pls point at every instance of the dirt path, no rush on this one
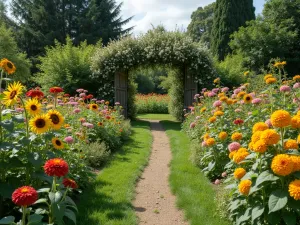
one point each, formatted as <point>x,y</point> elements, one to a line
<point>154,203</point>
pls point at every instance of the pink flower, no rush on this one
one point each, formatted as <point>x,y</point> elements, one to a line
<point>225,89</point>
<point>77,110</point>
<point>89,125</point>
<point>233,96</point>
<point>236,91</point>
<point>224,174</point>
<point>234,146</point>
<point>256,101</point>
<point>296,85</point>
<point>217,182</point>
<point>252,94</point>
<point>102,101</point>
<point>215,90</point>
<point>19,110</point>
<point>198,117</point>
<point>203,144</point>
<point>295,100</point>
<point>80,90</point>
<point>249,113</point>
<point>285,88</point>
<point>192,125</point>
<point>217,103</point>
<point>69,140</point>
<point>196,96</point>
<point>238,110</point>
<point>117,103</point>
<point>268,122</point>
<point>211,94</point>
<point>82,95</point>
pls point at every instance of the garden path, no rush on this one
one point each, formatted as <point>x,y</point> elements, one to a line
<point>154,202</point>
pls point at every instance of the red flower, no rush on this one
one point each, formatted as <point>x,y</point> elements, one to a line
<point>56,90</point>
<point>66,95</point>
<point>70,183</point>
<point>238,121</point>
<point>89,96</point>
<point>25,196</point>
<point>56,167</point>
<point>35,93</point>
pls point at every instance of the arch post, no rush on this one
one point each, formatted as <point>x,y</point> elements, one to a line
<point>190,88</point>
<point>121,90</point>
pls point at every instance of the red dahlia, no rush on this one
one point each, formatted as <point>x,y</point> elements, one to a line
<point>56,167</point>
<point>35,93</point>
<point>24,196</point>
<point>56,90</point>
<point>70,183</point>
<point>66,95</point>
<point>89,96</point>
<point>238,121</point>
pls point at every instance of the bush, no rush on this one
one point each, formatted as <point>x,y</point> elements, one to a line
<point>152,103</point>
<point>176,93</point>
<point>96,154</point>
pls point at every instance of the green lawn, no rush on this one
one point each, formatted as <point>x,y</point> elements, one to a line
<point>193,190</point>
<point>156,117</point>
<point>109,199</point>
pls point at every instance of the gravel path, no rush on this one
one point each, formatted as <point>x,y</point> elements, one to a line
<point>154,203</point>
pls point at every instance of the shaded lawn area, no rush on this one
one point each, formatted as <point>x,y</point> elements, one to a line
<point>156,117</point>
<point>108,200</point>
<point>195,195</point>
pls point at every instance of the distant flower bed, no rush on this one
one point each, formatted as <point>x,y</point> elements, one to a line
<point>152,103</point>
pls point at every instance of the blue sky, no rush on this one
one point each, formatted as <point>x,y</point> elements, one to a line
<point>170,13</point>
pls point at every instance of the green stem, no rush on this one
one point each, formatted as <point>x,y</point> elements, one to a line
<point>26,116</point>
<point>282,138</point>
<point>24,215</point>
<point>55,100</point>
<point>1,131</point>
<point>54,184</point>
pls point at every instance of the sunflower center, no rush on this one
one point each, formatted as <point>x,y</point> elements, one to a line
<point>40,123</point>
<point>33,107</point>
<point>9,65</point>
<point>12,94</point>
<point>248,98</point>
<point>94,107</point>
<point>57,142</point>
<point>54,118</point>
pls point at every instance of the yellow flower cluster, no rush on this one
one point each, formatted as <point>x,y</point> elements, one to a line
<point>240,155</point>
<point>281,118</point>
<point>244,187</point>
<point>239,173</point>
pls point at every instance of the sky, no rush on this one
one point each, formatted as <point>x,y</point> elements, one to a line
<point>171,14</point>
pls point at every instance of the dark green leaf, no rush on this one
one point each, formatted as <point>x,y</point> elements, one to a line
<point>257,211</point>
<point>71,215</point>
<point>35,219</point>
<point>278,200</point>
<point>274,218</point>
<point>289,218</point>
<point>7,220</point>
<point>8,125</point>
<point>266,176</point>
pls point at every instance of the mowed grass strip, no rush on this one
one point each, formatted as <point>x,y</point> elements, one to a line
<point>195,194</point>
<point>156,117</point>
<point>108,200</point>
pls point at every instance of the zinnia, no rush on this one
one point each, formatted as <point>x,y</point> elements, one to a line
<point>56,167</point>
<point>260,126</point>
<point>281,118</point>
<point>69,183</point>
<point>294,189</point>
<point>56,90</point>
<point>290,144</point>
<point>234,146</point>
<point>24,196</point>
<point>270,137</point>
<point>236,136</point>
<point>285,88</point>
<point>239,173</point>
<point>282,165</point>
<point>244,187</point>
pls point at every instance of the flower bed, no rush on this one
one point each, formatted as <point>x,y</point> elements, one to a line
<point>152,103</point>
<point>248,139</point>
<point>47,147</point>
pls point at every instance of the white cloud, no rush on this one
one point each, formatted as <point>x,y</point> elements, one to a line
<point>170,13</point>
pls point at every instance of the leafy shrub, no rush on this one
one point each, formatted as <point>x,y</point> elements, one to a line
<point>96,154</point>
<point>152,103</point>
<point>176,94</point>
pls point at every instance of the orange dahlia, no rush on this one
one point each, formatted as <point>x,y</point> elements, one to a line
<point>69,183</point>
<point>244,187</point>
<point>24,196</point>
<point>270,137</point>
<point>236,136</point>
<point>223,135</point>
<point>239,173</point>
<point>260,126</point>
<point>56,167</point>
<point>294,189</point>
<point>296,162</point>
<point>295,122</point>
<point>281,118</point>
<point>210,141</point>
<point>256,136</point>
<point>282,165</point>
<point>290,144</point>
<point>260,146</point>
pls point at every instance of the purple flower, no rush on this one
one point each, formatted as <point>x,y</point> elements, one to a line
<point>77,110</point>
<point>69,140</point>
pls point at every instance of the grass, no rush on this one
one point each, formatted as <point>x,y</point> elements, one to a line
<point>156,117</point>
<point>195,195</point>
<point>108,200</point>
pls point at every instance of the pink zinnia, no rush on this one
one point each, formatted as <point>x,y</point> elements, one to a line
<point>225,89</point>
<point>238,110</point>
<point>77,110</point>
<point>215,90</point>
<point>234,146</point>
<point>69,140</point>
<point>256,101</point>
<point>203,144</point>
<point>217,103</point>
<point>80,90</point>
<point>285,88</point>
<point>217,182</point>
<point>233,96</point>
<point>297,85</point>
<point>198,117</point>
<point>236,91</point>
<point>192,125</point>
<point>89,125</point>
<point>211,94</point>
<point>82,95</point>
<point>268,122</point>
<point>224,174</point>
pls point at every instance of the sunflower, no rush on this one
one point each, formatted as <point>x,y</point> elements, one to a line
<point>40,123</point>
<point>7,66</point>
<point>281,118</point>
<point>57,144</point>
<point>33,106</point>
<point>203,109</point>
<point>56,118</point>
<point>241,94</point>
<point>247,98</point>
<point>94,107</point>
<point>12,93</point>
<point>217,80</point>
<point>282,165</point>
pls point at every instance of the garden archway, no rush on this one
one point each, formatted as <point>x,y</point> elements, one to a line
<point>112,64</point>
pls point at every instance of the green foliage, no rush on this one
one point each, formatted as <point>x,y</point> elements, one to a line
<point>132,108</point>
<point>231,70</point>
<point>201,25</point>
<point>228,17</point>
<point>152,103</point>
<point>66,66</point>
<point>9,50</point>
<point>274,35</point>
<point>176,94</point>
<point>144,83</point>
<point>96,154</point>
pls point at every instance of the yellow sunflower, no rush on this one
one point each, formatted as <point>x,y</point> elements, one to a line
<point>12,93</point>
<point>56,118</point>
<point>33,106</point>
<point>40,123</point>
<point>7,66</point>
<point>57,144</point>
<point>247,98</point>
<point>94,107</point>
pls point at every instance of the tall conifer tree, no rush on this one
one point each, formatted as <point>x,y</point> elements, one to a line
<point>229,16</point>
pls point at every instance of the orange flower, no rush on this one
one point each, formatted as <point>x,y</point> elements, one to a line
<point>56,167</point>
<point>290,144</point>
<point>24,196</point>
<point>244,187</point>
<point>236,136</point>
<point>239,173</point>
<point>282,165</point>
<point>281,118</point>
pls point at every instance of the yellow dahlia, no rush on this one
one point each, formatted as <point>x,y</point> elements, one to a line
<point>260,126</point>
<point>33,106</point>
<point>271,80</point>
<point>290,144</point>
<point>295,122</point>
<point>239,173</point>
<point>294,189</point>
<point>244,187</point>
<point>270,137</point>
<point>40,123</point>
<point>223,135</point>
<point>12,93</point>
<point>260,146</point>
<point>236,136</point>
<point>210,141</point>
<point>282,165</point>
<point>57,120</point>
<point>281,118</point>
